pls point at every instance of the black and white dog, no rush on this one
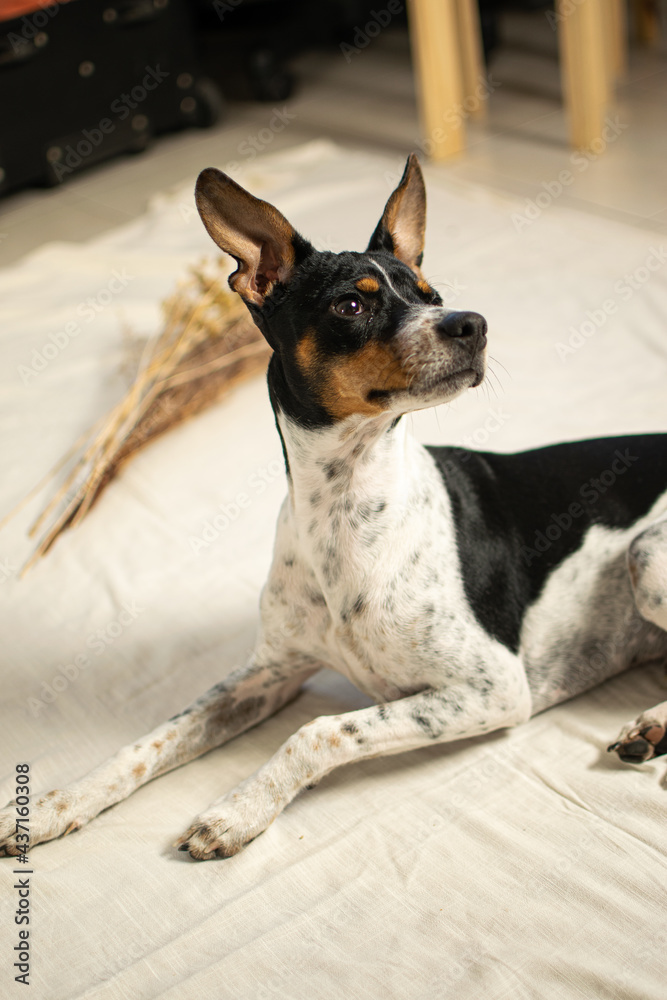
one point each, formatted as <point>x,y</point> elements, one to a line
<point>464,591</point>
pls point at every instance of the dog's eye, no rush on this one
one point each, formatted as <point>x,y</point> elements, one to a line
<point>349,307</point>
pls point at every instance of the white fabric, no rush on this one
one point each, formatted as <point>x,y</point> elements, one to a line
<point>527,864</point>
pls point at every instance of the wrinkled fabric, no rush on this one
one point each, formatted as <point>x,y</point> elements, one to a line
<point>526,864</point>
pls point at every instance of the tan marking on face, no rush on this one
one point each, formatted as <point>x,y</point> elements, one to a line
<point>351,379</point>
<point>138,770</point>
<point>424,287</point>
<point>343,384</point>
<point>367,285</point>
<point>306,353</point>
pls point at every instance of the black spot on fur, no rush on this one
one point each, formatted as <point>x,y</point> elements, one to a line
<point>335,469</point>
<point>349,728</point>
<point>358,605</point>
<point>426,724</point>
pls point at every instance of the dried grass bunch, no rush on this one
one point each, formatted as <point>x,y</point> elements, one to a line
<point>207,344</point>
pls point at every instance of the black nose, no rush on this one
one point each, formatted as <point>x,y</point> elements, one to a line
<point>463,324</point>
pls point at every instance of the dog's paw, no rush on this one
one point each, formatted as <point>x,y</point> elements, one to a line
<point>50,816</point>
<point>224,829</point>
<point>641,740</point>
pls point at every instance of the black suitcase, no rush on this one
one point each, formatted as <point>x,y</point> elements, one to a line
<point>83,80</point>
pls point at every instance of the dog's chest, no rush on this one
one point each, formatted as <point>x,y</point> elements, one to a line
<point>370,583</point>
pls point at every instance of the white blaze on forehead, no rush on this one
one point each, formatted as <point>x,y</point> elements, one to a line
<point>389,282</point>
<point>420,312</point>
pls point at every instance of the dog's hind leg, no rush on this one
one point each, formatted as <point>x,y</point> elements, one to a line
<point>249,695</point>
<point>646,736</point>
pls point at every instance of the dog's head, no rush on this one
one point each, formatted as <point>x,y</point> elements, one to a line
<point>352,333</point>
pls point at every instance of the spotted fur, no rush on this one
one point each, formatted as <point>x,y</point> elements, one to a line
<point>463,591</point>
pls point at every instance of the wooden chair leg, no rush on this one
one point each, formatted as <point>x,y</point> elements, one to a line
<point>584,69</point>
<point>619,38</point>
<point>647,21</point>
<point>472,58</point>
<point>435,48</point>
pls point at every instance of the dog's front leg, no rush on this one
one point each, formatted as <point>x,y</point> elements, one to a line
<point>329,741</point>
<point>249,695</point>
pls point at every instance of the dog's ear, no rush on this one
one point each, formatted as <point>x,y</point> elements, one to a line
<point>401,229</point>
<point>254,233</point>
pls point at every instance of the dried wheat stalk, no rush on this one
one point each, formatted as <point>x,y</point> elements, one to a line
<point>207,344</point>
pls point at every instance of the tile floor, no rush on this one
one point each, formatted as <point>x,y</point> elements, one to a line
<point>370,102</point>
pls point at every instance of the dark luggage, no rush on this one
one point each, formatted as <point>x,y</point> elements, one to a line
<point>83,80</point>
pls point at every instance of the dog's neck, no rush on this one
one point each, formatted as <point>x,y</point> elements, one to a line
<point>350,468</point>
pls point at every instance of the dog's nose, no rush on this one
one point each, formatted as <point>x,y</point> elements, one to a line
<point>463,324</point>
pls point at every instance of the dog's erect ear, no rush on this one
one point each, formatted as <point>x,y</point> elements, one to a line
<point>401,229</point>
<point>254,233</point>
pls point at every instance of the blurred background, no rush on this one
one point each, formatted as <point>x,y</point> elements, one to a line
<point>105,102</point>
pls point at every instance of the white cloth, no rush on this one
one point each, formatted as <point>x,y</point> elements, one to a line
<point>527,864</point>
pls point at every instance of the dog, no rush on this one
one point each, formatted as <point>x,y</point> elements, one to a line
<point>464,591</point>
